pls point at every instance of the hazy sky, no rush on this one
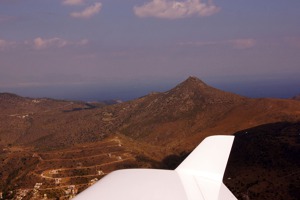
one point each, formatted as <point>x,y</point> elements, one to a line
<point>79,47</point>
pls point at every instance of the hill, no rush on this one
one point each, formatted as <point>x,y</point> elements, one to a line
<point>264,163</point>
<point>297,97</point>
<point>66,145</point>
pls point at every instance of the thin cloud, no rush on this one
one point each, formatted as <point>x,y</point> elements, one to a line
<point>171,9</point>
<point>245,43</point>
<point>40,43</point>
<point>82,42</point>
<point>292,41</point>
<point>88,12</point>
<point>56,42</point>
<point>73,2</point>
<point>202,43</point>
<point>4,44</point>
<point>5,18</point>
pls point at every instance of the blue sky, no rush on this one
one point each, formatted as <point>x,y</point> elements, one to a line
<point>89,49</point>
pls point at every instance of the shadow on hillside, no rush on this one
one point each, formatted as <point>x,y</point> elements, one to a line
<point>87,106</point>
<point>265,162</point>
<point>172,161</point>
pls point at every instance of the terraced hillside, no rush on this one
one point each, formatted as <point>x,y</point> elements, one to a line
<point>66,172</point>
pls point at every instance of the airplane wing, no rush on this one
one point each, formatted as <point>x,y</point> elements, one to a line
<point>198,177</point>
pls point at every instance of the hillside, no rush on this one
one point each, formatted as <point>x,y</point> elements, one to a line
<point>264,163</point>
<point>20,116</point>
<point>297,97</point>
<point>60,147</point>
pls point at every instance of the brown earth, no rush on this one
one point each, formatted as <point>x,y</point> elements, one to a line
<point>62,145</point>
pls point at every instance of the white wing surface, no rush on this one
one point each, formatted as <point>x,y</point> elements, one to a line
<point>198,177</point>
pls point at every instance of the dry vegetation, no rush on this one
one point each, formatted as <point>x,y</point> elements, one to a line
<point>57,148</point>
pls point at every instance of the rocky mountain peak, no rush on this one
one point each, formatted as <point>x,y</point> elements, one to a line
<point>196,90</point>
<point>193,83</point>
<point>187,100</point>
